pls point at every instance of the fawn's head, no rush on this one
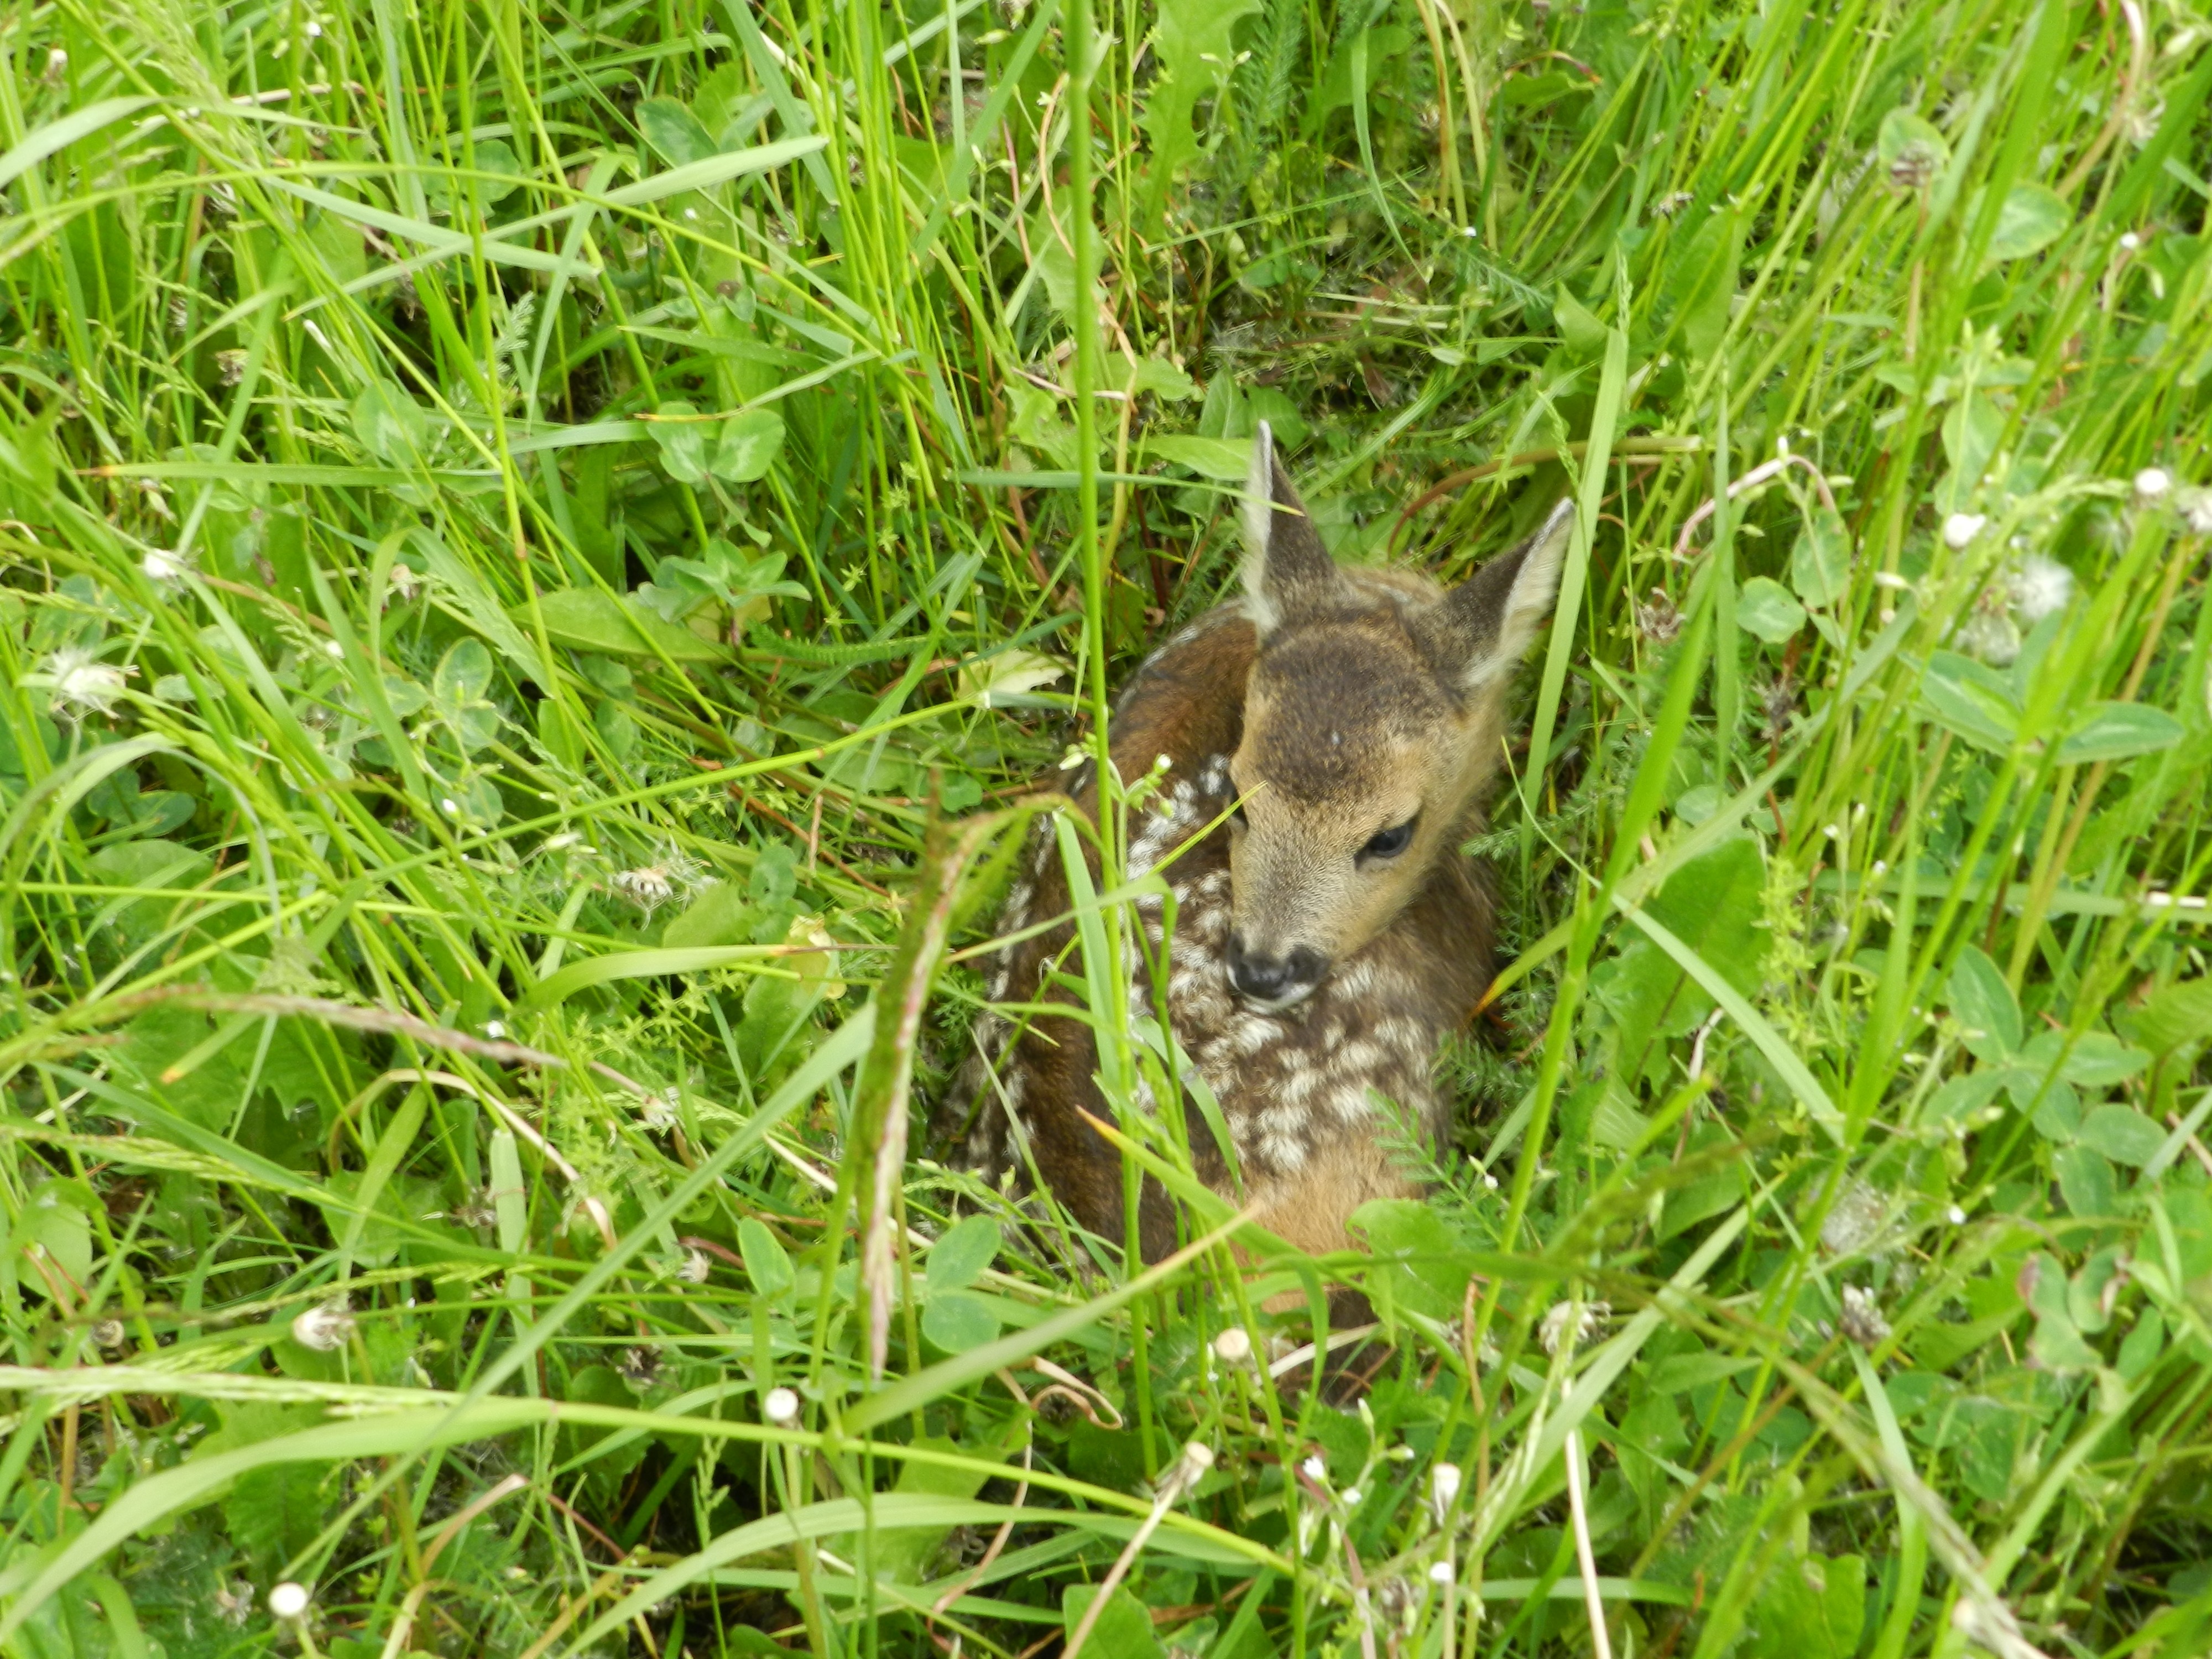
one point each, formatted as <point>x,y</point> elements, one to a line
<point>1371,722</point>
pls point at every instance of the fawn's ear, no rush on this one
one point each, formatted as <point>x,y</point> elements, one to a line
<point>1480,630</point>
<point>1286,569</point>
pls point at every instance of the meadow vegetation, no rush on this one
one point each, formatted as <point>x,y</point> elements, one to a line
<point>546,549</point>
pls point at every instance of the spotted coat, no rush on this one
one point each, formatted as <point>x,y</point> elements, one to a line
<point>1302,1091</point>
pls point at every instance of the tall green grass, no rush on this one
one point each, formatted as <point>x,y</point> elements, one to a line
<point>546,549</point>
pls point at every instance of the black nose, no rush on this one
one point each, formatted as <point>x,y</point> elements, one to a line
<point>1271,979</point>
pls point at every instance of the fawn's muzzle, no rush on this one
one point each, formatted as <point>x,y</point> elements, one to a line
<point>1278,981</point>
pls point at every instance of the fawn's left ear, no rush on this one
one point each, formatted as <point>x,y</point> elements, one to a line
<point>1481,627</point>
<point>1287,570</point>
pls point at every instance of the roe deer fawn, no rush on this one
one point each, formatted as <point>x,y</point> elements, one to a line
<point>1328,936</point>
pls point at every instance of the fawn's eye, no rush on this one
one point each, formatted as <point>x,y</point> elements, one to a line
<point>1389,843</point>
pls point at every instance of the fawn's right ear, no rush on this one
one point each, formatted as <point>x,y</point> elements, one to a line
<point>1286,569</point>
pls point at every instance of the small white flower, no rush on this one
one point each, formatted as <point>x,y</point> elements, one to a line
<point>82,683</point>
<point>1444,1482</point>
<point>162,565</point>
<point>695,1268</point>
<point>2130,241</point>
<point>331,649</point>
<point>324,1330</point>
<point>780,1407</point>
<point>2196,507</point>
<point>2040,588</point>
<point>450,807</point>
<point>1233,1347</point>
<point>1351,1497</point>
<point>1961,528</point>
<point>1553,1328</point>
<point>315,31</point>
<point>495,1027</point>
<point>288,1599</point>
<point>1862,1319</point>
<point>1955,1216</point>
<point>56,66</point>
<point>1440,1575</point>
<point>1314,1470</point>
<point>2151,484</point>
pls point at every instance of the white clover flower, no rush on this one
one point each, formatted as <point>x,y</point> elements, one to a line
<point>1444,1482</point>
<point>2040,588</point>
<point>1233,1347</point>
<point>780,1407</point>
<point>288,1599</point>
<point>2152,484</point>
<point>166,566</point>
<point>324,1330</point>
<point>1862,1319</point>
<point>1553,1328</point>
<point>1960,528</point>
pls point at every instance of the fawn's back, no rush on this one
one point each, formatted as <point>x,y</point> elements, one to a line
<point>1330,933</point>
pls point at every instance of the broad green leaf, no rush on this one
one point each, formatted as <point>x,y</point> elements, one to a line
<point>1983,1003</point>
<point>1910,139</point>
<point>1124,1628</point>
<point>1427,1279</point>
<point>1578,326</point>
<point>640,964</point>
<point>1810,1609</point>
<point>2123,1135</point>
<point>1970,698</point>
<point>590,620</point>
<point>1765,608</point>
<point>1226,459</point>
<point>55,1218</point>
<point>672,130</point>
<point>747,444</point>
<point>1191,42</point>
<point>721,915</point>
<point>1820,559</point>
<point>390,424</point>
<point>959,1258</point>
<point>767,1263</point>
<point>1159,377</point>
<point>463,674</point>
<point>2119,731</point>
<point>682,439</point>
<point>958,1321</point>
<point>2179,1013</point>
<point>275,1512</point>
<point>2034,217</point>
<point>2093,1060</point>
<point>1700,281</point>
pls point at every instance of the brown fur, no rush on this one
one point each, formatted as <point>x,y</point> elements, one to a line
<point>1338,703</point>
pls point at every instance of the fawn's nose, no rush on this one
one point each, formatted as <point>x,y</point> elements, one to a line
<point>1273,978</point>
